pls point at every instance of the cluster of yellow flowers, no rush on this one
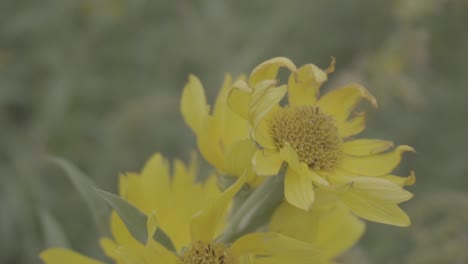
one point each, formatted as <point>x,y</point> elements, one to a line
<point>263,144</point>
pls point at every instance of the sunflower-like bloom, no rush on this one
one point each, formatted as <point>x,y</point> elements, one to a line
<point>222,136</point>
<point>312,135</point>
<point>193,217</point>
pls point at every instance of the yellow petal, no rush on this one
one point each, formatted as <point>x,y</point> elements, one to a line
<point>186,199</point>
<point>265,97</point>
<point>120,232</point>
<point>375,188</point>
<point>232,127</point>
<point>267,162</point>
<point>298,189</point>
<point>193,104</point>
<point>262,132</point>
<point>239,98</point>
<point>377,165</point>
<point>275,245</point>
<point>402,181</point>
<point>375,199</point>
<point>340,102</point>
<point>209,143</point>
<point>333,230</point>
<point>289,155</point>
<point>303,87</point>
<point>366,147</point>
<point>205,223</point>
<point>239,157</point>
<point>353,126</point>
<point>269,69</point>
<point>155,185</point>
<point>129,188</point>
<point>61,255</point>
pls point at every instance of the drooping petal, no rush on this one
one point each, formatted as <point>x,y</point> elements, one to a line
<point>333,230</point>
<point>298,189</point>
<point>239,98</point>
<point>275,245</point>
<point>374,199</point>
<point>266,96</point>
<point>366,147</point>
<point>303,87</point>
<point>266,162</point>
<point>340,102</point>
<point>377,165</point>
<point>262,132</point>
<point>62,255</point>
<point>193,104</point>
<point>232,126</point>
<point>269,69</point>
<point>205,223</point>
<point>353,126</point>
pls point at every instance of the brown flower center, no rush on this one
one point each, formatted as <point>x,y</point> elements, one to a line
<point>207,253</point>
<point>311,133</point>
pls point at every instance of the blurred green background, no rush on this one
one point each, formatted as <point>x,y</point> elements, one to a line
<point>97,82</point>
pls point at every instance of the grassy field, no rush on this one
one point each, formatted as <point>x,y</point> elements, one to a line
<point>97,82</point>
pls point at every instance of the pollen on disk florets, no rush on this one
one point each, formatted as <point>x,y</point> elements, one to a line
<point>311,133</point>
<point>207,253</point>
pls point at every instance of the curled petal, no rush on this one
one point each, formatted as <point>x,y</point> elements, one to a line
<point>239,98</point>
<point>353,126</point>
<point>264,99</point>
<point>366,147</point>
<point>303,87</point>
<point>377,165</point>
<point>340,102</point>
<point>269,69</point>
<point>402,181</point>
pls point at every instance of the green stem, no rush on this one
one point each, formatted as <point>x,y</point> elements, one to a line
<point>256,210</point>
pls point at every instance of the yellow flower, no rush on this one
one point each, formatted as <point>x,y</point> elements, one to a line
<point>312,135</point>
<point>222,136</point>
<point>333,229</point>
<point>193,216</point>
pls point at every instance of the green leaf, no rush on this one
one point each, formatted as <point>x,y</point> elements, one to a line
<point>85,186</point>
<point>133,218</point>
<point>54,236</point>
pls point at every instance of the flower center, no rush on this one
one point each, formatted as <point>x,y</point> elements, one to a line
<point>207,253</point>
<point>311,133</point>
